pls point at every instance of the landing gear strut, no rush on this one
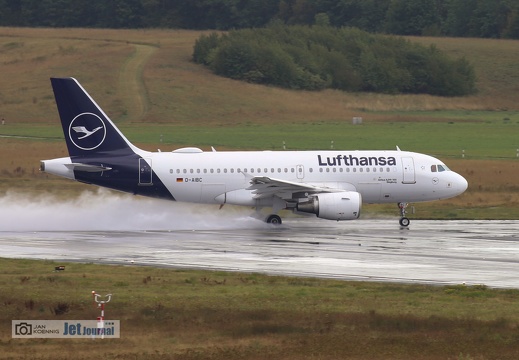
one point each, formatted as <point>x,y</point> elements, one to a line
<point>273,219</point>
<point>404,221</point>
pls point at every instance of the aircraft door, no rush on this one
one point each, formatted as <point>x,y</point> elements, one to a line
<point>408,169</point>
<point>145,172</point>
<point>300,171</point>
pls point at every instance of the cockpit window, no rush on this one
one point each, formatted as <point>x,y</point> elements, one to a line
<point>439,168</point>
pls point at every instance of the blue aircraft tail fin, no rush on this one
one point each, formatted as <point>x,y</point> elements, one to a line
<point>88,130</point>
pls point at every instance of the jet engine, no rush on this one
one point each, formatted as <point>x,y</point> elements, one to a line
<point>333,206</point>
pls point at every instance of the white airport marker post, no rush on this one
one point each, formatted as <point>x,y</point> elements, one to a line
<point>101,305</point>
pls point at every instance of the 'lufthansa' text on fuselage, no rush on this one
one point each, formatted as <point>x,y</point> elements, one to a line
<point>350,160</point>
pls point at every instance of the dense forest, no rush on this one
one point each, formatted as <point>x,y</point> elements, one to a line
<point>457,18</point>
<point>318,57</point>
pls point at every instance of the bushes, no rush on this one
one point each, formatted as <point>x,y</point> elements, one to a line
<point>314,58</point>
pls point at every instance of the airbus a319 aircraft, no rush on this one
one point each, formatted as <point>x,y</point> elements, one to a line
<point>330,184</point>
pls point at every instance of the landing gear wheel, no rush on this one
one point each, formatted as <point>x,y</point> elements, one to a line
<point>273,219</point>
<point>404,222</point>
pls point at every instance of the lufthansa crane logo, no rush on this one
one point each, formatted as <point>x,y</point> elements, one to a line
<point>87,131</point>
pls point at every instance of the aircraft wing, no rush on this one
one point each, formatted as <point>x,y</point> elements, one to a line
<point>264,187</point>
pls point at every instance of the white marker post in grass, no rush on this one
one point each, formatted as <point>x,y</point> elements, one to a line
<point>101,304</point>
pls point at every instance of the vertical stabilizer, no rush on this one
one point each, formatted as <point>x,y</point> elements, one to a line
<point>88,130</point>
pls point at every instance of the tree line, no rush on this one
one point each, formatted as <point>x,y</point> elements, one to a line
<point>318,57</point>
<point>458,18</point>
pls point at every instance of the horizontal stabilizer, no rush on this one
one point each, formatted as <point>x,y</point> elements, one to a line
<point>87,168</point>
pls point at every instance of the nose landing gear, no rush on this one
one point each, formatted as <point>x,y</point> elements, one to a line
<point>404,221</point>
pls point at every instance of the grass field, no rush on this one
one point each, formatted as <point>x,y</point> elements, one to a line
<point>179,314</point>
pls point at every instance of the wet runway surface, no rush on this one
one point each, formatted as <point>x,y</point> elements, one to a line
<point>432,252</point>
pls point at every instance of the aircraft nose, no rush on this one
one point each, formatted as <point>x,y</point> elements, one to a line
<point>461,184</point>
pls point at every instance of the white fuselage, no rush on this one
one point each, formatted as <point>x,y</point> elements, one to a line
<point>380,176</point>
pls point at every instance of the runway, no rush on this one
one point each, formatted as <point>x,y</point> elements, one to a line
<point>429,252</point>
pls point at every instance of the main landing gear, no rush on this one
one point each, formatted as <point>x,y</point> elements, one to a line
<point>404,221</point>
<point>273,219</point>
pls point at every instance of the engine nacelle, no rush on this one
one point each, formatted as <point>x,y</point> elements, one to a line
<point>333,206</point>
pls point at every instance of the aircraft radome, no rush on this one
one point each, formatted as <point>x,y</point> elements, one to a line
<point>330,184</point>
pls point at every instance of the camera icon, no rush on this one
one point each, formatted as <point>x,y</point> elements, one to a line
<point>23,328</point>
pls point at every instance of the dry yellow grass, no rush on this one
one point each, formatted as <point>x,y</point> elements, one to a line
<point>498,81</point>
<point>179,314</point>
<point>493,183</point>
<point>181,91</point>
